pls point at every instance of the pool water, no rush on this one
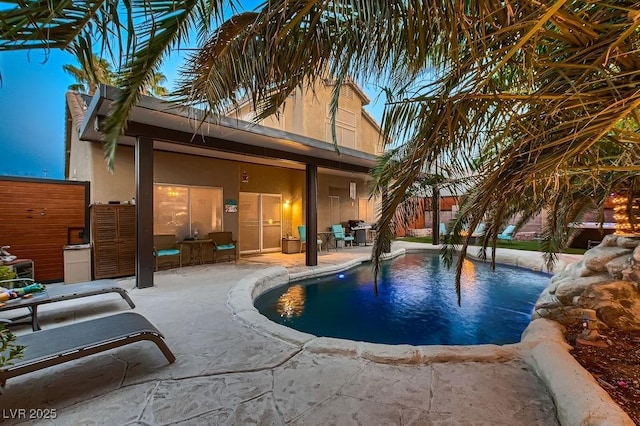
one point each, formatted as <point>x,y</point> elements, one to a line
<point>416,303</point>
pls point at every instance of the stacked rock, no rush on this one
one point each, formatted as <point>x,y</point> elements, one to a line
<point>606,280</point>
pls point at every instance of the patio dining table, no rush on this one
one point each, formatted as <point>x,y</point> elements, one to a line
<point>195,250</point>
<point>326,237</point>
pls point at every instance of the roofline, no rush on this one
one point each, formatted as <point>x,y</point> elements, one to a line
<point>159,114</point>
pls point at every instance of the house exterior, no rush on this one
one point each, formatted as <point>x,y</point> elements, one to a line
<point>232,175</point>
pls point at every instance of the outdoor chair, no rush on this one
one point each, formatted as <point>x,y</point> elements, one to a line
<point>339,235</point>
<point>223,242</point>
<point>507,233</point>
<point>443,229</point>
<point>165,248</point>
<point>302,231</point>
<point>479,231</point>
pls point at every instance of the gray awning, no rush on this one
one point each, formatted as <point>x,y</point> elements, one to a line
<point>182,130</point>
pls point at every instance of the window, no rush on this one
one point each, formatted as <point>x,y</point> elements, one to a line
<point>181,210</point>
<point>345,128</point>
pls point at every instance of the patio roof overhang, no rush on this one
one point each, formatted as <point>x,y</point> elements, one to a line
<point>158,125</point>
<point>180,129</point>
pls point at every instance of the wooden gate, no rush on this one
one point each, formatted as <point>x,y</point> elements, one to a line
<point>38,217</point>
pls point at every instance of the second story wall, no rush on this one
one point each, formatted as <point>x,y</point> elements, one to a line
<point>307,112</point>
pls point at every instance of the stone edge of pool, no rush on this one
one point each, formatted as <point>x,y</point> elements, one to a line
<point>578,397</point>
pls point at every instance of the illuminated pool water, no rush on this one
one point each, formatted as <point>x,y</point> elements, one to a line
<point>416,303</point>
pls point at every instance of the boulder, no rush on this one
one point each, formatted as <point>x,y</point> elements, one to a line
<point>567,289</point>
<point>636,254</point>
<point>547,300</point>
<point>609,240</point>
<point>565,315</point>
<point>616,266</point>
<point>617,304</point>
<point>628,242</point>
<point>596,258</point>
<point>577,269</point>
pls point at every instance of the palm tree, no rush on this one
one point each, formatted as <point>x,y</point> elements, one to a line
<point>155,87</point>
<point>91,72</point>
<point>524,98</point>
<point>97,70</point>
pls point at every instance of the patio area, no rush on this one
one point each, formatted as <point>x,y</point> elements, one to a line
<point>232,369</point>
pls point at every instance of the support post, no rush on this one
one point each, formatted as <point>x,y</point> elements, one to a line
<point>144,212</point>
<point>435,215</point>
<point>311,213</point>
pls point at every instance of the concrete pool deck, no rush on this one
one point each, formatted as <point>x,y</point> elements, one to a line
<point>235,367</point>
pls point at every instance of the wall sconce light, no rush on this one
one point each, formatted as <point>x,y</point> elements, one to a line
<point>352,190</point>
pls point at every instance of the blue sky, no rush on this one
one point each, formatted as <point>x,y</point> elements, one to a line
<point>32,110</point>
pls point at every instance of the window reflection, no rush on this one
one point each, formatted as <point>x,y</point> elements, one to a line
<point>181,209</point>
<point>468,274</point>
<point>291,303</point>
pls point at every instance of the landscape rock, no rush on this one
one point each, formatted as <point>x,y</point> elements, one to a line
<point>547,300</point>
<point>616,266</point>
<point>609,240</point>
<point>567,289</point>
<point>565,315</point>
<point>628,242</point>
<point>617,304</point>
<point>577,269</point>
<point>596,258</point>
<point>636,254</point>
<point>606,280</point>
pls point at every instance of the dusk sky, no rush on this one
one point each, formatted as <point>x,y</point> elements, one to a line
<point>32,110</point>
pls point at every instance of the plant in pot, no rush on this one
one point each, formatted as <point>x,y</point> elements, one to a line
<point>6,273</point>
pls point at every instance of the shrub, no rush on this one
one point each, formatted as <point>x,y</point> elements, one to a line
<point>6,273</point>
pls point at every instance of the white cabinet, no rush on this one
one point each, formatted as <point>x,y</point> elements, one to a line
<point>77,263</point>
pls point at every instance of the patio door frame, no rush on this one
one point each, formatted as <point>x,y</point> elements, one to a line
<point>261,219</point>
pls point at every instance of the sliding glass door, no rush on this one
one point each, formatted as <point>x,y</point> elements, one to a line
<point>260,217</point>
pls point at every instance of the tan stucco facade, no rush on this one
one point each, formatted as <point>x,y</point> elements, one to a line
<point>306,114</point>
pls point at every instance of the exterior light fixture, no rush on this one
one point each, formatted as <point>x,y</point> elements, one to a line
<point>352,190</point>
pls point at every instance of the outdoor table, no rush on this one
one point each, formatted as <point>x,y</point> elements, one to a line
<point>326,237</point>
<point>195,250</point>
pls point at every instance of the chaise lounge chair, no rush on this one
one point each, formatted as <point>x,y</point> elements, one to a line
<point>479,231</point>
<point>507,234</point>
<point>443,229</point>
<point>69,342</point>
<point>59,293</point>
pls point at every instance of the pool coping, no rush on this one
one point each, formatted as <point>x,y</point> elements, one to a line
<point>578,397</point>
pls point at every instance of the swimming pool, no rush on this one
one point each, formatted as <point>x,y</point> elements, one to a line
<point>416,303</point>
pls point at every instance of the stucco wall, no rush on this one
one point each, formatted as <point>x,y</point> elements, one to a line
<point>80,163</point>
<point>332,185</point>
<point>306,112</point>
<point>117,186</point>
<point>370,138</point>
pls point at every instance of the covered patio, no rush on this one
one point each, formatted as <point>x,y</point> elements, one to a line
<point>156,126</point>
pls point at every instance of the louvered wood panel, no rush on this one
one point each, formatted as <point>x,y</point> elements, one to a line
<point>114,243</point>
<point>127,240</point>
<point>105,256</point>
<point>35,217</point>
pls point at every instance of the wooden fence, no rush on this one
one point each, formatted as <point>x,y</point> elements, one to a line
<point>38,217</point>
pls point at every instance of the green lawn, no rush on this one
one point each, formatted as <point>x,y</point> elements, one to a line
<point>516,245</point>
